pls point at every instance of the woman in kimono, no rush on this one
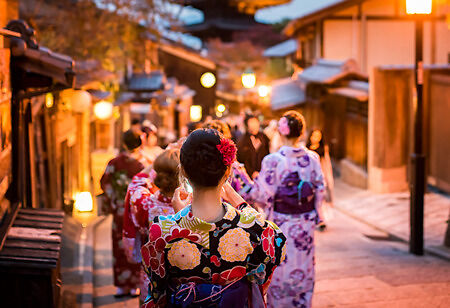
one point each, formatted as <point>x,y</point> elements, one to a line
<point>291,185</point>
<point>211,252</point>
<point>150,148</point>
<point>317,144</point>
<point>114,183</point>
<point>239,180</point>
<point>146,204</point>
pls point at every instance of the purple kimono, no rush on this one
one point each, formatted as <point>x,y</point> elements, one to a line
<point>291,186</point>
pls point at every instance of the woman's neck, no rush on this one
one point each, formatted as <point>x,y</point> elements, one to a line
<point>207,204</point>
<point>290,142</point>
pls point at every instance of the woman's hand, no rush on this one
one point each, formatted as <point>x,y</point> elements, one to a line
<point>231,196</point>
<point>180,199</point>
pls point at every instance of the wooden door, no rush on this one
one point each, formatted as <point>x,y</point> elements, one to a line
<point>439,151</point>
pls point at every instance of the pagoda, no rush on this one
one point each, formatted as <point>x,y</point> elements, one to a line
<point>224,18</point>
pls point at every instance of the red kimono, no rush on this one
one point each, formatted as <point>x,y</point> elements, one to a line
<point>143,203</point>
<point>114,182</point>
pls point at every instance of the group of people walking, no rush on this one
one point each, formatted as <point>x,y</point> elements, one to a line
<point>219,225</point>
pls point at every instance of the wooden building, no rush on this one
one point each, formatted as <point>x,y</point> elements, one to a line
<point>373,32</point>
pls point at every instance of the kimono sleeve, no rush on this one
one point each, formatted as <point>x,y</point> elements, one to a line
<point>140,190</point>
<point>269,251</point>
<point>153,259</point>
<point>265,185</point>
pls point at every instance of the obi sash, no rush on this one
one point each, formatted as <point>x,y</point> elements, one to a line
<point>294,196</point>
<point>193,295</point>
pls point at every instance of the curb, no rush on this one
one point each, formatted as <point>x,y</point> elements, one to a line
<point>86,262</point>
<point>434,251</point>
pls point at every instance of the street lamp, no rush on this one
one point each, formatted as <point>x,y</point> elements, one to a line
<point>248,79</point>
<point>419,8</point>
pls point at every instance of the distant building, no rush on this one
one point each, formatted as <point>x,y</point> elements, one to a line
<point>223,19</point>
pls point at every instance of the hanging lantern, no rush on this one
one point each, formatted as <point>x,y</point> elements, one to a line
<point>248,79</point>
<point>81,101</point>
<point>103,110</point>
<point>195,113</point>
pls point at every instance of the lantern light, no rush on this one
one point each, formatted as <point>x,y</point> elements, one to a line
<point>49,100</point>
<point>221,108</point>
<point>195,113</point>
<point>208,80</point>
<point>419,6</point>
<point>248,79</point>
<point>103,110</point>
<point>84,202</point>
<point>263,91</point>
<point>81,101</point>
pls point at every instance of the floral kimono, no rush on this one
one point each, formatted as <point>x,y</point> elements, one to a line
<point>145,202</point>
<point>291,186</point>
<point>114,183</point>
<point>193,263</point>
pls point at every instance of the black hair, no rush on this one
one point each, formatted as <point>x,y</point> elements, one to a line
<point>249,116</point>
<point>135,122</point>
<point>220,126</point>
<point>201,160</point>
<point>296,123</point>
<point>166,168</point>
<point>193,126</point>
<point>131,141</point>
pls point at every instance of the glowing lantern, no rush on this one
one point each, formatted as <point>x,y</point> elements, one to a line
<point>419,6</point>
<point>81,101</point>
<point>49,100</point>
<point>103,110</point>
<point>195,113</point>
<point>221,108</point>
<point>208,80</point>
<point>84,202</point>
<point>263,91</point>
<point>248,79</point>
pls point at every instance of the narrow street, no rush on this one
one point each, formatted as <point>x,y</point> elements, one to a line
<point>356,266</point>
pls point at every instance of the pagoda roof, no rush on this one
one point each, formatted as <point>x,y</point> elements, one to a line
<point>222,23</point>
<point>244,6</point>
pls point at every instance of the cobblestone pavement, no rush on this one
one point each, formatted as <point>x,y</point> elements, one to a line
<point>357,267</point>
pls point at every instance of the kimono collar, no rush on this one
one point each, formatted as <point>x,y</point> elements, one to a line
<point>292,152</point>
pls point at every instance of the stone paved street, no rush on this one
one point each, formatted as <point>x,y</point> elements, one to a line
<point>356,271</point>
<point>357,266</point>
<point>390,213</point>
<point>103,275</point>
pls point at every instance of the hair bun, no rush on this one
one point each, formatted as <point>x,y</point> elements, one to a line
<point>200,158</point>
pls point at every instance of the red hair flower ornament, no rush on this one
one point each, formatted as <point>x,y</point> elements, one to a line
<point>283,126</point>
<point>228,151</point>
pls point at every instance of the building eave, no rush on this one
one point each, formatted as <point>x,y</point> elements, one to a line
<point>296,24</point>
